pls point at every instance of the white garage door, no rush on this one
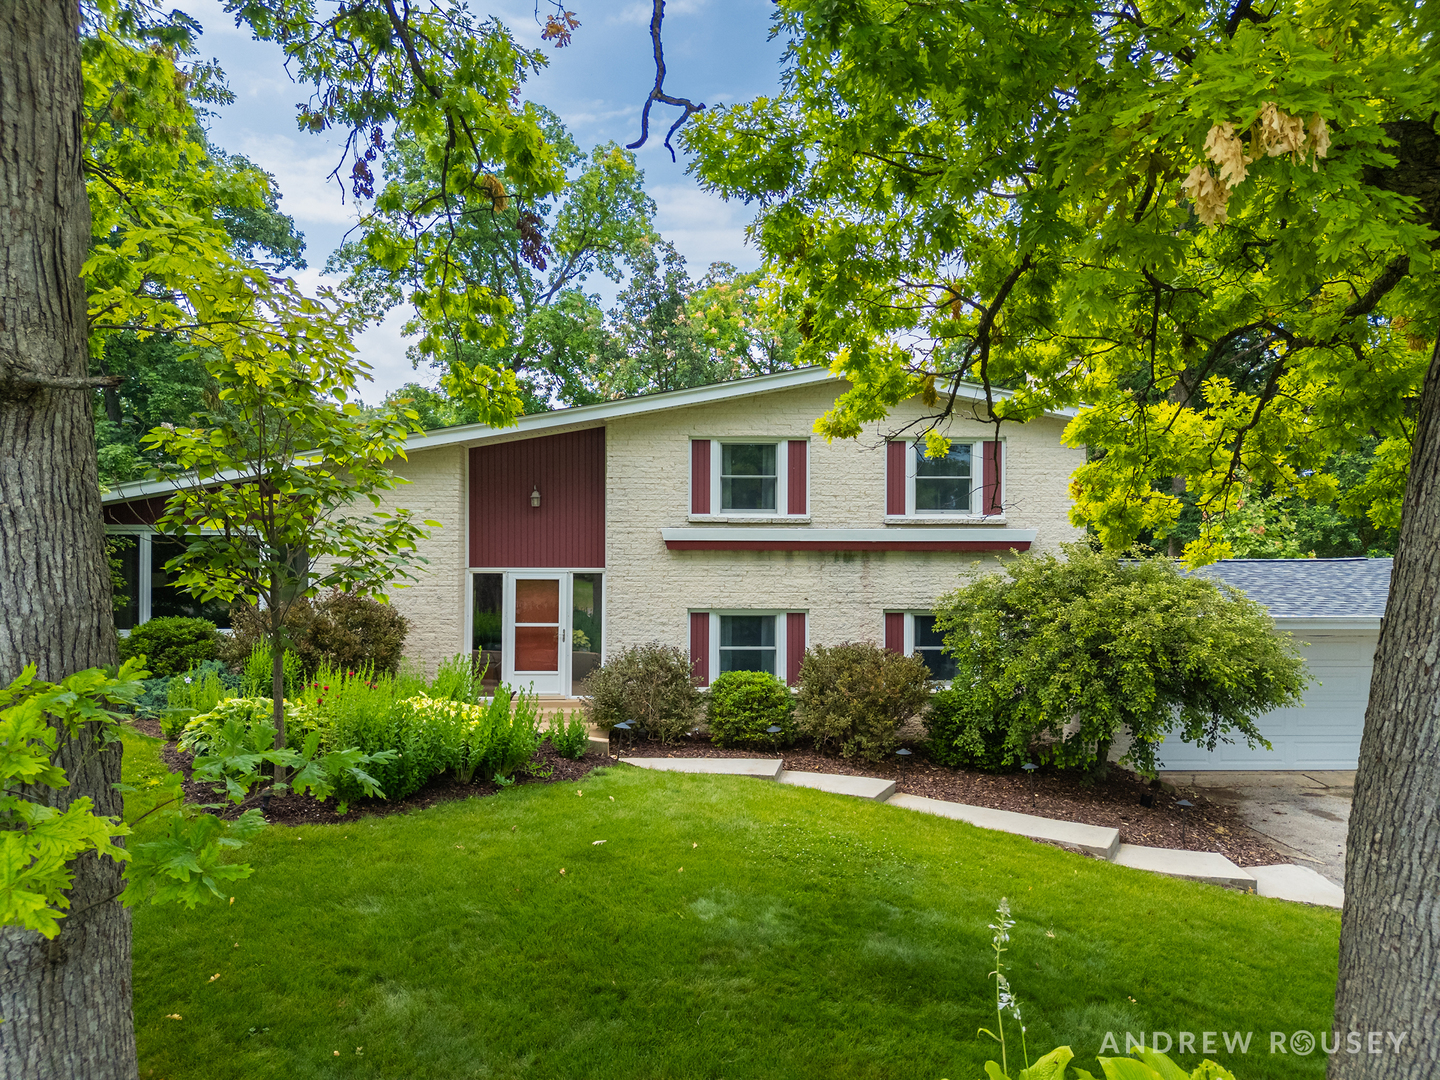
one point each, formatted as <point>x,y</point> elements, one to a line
<point>1325,734</point>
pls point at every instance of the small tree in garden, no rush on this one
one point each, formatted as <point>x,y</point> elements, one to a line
<point>266,494</point>
<point>1080,649</point>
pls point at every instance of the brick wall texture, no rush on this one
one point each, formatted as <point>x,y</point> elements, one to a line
<point>649,589</point>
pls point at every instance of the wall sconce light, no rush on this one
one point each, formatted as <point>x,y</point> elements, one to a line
<point>535,497</point>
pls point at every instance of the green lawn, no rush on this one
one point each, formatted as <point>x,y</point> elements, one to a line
<point>726,928</point>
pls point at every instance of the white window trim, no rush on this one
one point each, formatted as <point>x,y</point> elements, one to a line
<point>782,482</point>
<point>977,484</point>
<point>782,646</point>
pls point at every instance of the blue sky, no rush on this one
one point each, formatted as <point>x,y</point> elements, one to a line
<point>715,51</point>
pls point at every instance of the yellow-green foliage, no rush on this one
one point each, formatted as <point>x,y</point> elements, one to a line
<point>258,714</point>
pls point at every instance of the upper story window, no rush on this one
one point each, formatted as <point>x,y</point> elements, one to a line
<point>943,485</point>
<point>967,481</point>
<point>748,477</point>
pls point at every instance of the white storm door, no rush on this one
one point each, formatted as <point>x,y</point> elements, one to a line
<point>537,632</point>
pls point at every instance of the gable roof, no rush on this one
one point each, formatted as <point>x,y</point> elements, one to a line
<point>670,399</point>
<point>584,415</point>
<point>1329,589</point>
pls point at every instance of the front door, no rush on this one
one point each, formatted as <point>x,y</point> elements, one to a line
<point>538,632</point>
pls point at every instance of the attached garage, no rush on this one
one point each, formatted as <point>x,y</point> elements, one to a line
<point>1333,608</point>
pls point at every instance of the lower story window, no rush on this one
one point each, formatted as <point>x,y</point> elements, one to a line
<point>769,641</point>
<point>145,590</point>
<point>747,643</point>
<point>928,643</point>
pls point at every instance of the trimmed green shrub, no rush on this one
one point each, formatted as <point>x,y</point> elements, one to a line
<point>963,733</point>
<point>570,735</point>
<point>347,632</point>
<point>171,645</point>
<point>743,705</point>
<point>855,696</point>
<point>648,684</point>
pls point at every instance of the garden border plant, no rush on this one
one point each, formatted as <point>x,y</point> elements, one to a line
<point>742,706</point>
<point>856,695</point>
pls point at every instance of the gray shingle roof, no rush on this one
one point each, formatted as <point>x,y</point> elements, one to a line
<point>1310,588</point>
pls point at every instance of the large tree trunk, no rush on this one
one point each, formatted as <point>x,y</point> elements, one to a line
<point>1390,933</point>
<point>66,1003</point>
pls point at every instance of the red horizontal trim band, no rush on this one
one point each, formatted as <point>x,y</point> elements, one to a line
<point>847,545</point>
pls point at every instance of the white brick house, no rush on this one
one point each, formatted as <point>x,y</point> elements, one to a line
<point>713,519</point>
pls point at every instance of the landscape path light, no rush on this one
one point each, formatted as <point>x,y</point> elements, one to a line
<point>1030,768</point>
<point>1184,805</point>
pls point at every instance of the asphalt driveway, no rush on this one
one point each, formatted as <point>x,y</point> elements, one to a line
<point>1305,815</point>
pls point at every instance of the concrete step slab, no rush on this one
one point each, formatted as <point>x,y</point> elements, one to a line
<point>862,787</point>
<point>1089,838</point>
<point>1208,866</point>
<point>763,768</point>
<point>1286,881</point>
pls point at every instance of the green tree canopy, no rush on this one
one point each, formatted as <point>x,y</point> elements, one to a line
<point>1212,226</point>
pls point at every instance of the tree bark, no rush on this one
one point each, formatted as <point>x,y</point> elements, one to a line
<point>1390,931</point>
<point>66,1003</point>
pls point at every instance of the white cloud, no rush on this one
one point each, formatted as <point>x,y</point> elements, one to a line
<point>704,227</point>
<point>382,345</point>
<point>302,173</point>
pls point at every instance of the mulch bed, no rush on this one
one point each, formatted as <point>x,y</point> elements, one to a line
<point>308,810</point>
<point>1119,801</point>
<point>1144,813</point>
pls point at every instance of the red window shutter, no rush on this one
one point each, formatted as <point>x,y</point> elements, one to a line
<point>700,476</point>
<point>700,647</point>
<point>895,631</point>
<point>795,498</point>
<point>794,643</point>
<point>895,455</point>
<point>991,458</point>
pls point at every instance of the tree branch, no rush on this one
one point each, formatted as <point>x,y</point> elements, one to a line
<point>37,381</point>
<point>658,94</point>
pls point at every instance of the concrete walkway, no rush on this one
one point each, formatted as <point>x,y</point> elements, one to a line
<point>1284,881</point>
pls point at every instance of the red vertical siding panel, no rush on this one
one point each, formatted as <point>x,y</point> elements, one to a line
<point>700,476</point>
<point>795,494</point>
<point>567,530</point>
<point>700,647</point>
<point>895,478</point>
<point>895,631</point>
<point>990,479</point>
<point>794,645</point>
